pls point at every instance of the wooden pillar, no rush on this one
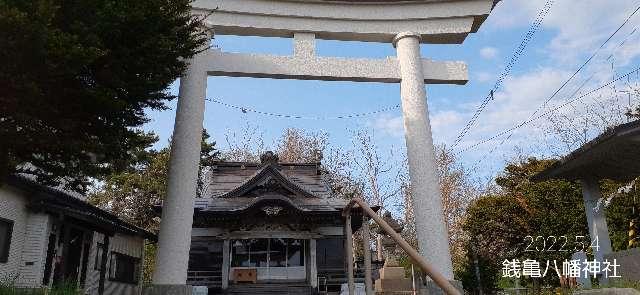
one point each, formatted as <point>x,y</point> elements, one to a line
<point>55,250</point>
<point>367,255</point>
<point>226,261</point>
<point>103,266</point>
<point>349,238</point>
<point>143,253</point>
<point>65,252</point>
<point>313,264</point>
<point>379,247</point>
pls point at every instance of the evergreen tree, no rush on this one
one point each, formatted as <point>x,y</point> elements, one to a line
<point>133,194</point>
<point>501,223</point>
<point>77,77</point>
<point>551,213</point>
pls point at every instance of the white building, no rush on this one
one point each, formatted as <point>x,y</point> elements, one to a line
<point>49,236</point>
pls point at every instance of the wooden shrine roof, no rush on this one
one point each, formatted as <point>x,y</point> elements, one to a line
<point>238,186</point>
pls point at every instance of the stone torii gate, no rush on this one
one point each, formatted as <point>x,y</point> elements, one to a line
<point>405,24</point>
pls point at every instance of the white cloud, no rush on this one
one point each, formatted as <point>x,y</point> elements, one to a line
<point>579,26</point>
<point>388,125</point>
<point>445,124</point>
<point>571,32</point>
<point>489,52</point>
<point>484,77</point>
<point>520,96</point>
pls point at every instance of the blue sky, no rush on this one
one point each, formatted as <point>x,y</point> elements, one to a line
<point>571,32</point>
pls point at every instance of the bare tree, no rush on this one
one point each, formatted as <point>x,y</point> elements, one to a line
<point>377,174</point>
<point>458,190</point>
<point>581,120</point>
<point>246,146</point>
<point>340,175</point>
<point>297,146</point>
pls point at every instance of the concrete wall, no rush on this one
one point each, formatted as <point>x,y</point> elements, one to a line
<point>629,261</point>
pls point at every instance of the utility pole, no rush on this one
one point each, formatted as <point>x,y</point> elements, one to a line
<point>476,266</point>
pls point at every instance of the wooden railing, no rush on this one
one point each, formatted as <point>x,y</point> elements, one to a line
<point>426,267</point>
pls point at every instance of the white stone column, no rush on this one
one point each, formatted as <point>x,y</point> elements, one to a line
<point>174,239</point>
<point>596,218</point>
<point>431,229</point>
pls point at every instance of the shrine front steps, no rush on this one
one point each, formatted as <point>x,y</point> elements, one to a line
<point>270,289</point>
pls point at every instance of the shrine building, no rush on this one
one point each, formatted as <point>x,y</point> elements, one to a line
<point>268,222</point>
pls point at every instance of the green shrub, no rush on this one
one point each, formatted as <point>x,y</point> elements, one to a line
<point>7,287</point>
<point>66,288</point>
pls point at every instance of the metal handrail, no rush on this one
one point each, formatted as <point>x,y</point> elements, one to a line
<point>428,269</point>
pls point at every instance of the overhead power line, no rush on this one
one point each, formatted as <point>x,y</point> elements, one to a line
<point>293,116</point>
<point>544,104</point>
<point>507,70</point>
<point>585,63</point>
<point>507,131</point>
<point>484,157</point>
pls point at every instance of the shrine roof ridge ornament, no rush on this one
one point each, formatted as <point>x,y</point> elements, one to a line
<point>437,21</point>
<point>269,158</point>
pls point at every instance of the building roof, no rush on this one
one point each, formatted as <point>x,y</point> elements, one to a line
<point>238,186</point>
<point>611,155</point>
<point>58,201</point>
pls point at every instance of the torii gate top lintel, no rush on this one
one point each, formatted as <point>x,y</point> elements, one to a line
<point>436,21</point>
<point>431,21</point>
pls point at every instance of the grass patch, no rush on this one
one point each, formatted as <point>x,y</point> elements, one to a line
<point>7,287</point>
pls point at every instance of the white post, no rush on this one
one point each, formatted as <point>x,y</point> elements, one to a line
<point>304,45</point>
<point>366,243</point>
<point>349,252</point>
<point>431,230</point>
<point>174,239</point>
<point>596,217</point>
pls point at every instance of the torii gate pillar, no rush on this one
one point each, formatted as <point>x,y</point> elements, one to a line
<point>431,230</point>
<point>174,238</point>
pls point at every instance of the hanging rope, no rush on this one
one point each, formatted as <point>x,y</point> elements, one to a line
<point>294,116</point>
